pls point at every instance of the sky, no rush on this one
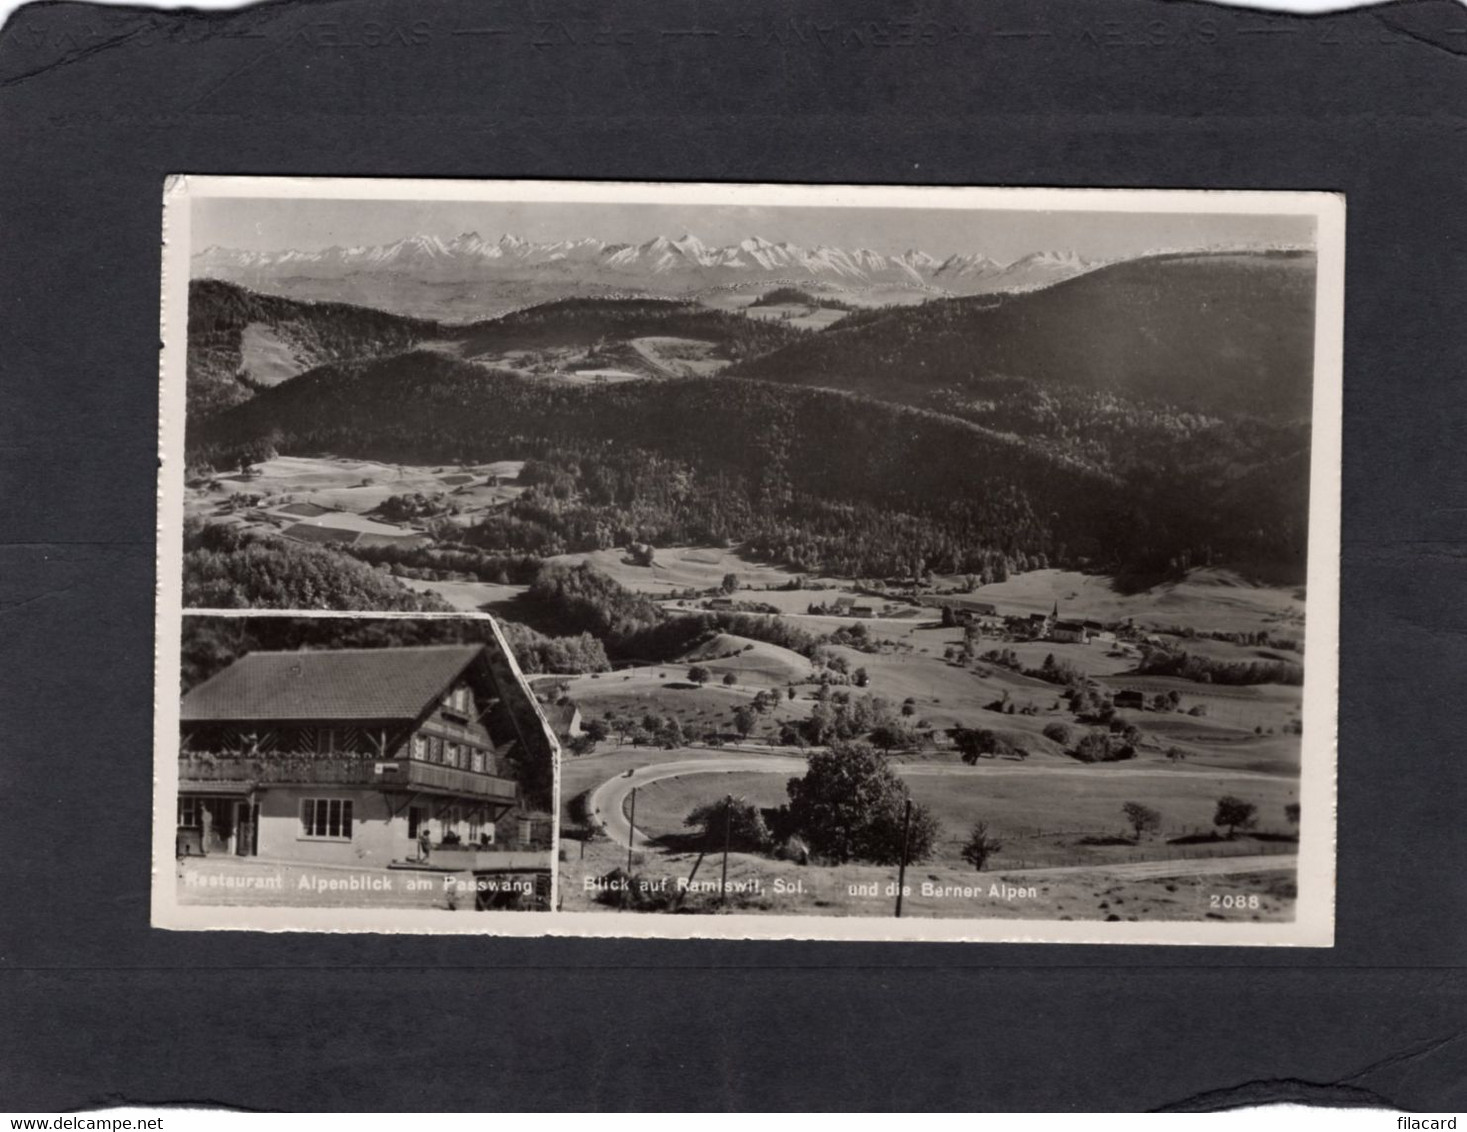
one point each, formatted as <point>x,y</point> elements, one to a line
<point>308,225</point>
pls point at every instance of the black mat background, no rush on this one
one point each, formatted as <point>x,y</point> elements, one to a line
<point>98,104</point>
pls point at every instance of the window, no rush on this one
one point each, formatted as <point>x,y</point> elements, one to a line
<point>188,812</point>
<point>328,818</point>
<point>435,749</point>
<point>476,825</point>
<point>478,761</point>
<point>420,746</point>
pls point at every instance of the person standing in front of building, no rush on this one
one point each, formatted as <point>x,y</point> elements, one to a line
<point>425,843</point>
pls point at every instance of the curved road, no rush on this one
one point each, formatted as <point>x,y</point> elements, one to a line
<point>608,801</point>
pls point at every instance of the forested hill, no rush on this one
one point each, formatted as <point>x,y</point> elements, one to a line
<point>583,322</point>
<point>1211,333</point>
<point>239,340</point>
<point>812,477</point>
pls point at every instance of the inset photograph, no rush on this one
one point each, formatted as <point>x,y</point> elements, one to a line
<point>334,761</point>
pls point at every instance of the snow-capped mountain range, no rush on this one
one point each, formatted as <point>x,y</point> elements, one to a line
<point>661,264</point>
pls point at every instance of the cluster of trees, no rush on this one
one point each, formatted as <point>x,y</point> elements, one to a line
<point>793,296</point>
<point>841,716</point>
<point>449,563</point>
<point>227,568</point>
<point>573,599</point>
<point>1104,746</point>
<point>650,730</point>
<point>980,743</point>
<point>537,652</point>
<point>407,508</point>
<point>1206,670</point>
<point>1232,813</point>
<point>850,806</point>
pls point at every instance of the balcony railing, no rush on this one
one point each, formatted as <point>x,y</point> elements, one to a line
<point>387,774</point>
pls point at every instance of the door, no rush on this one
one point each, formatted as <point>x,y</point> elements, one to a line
<point>217,815</point>
<point>247,829</point>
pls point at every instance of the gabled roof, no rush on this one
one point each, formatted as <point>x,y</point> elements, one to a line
<point>329,684</point>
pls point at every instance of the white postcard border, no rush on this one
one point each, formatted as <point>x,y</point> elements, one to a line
<point>1314,923</point>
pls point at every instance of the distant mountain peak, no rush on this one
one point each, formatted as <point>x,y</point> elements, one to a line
<point>662,263</point>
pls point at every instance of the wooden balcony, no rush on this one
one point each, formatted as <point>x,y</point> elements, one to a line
<point>385,774</point>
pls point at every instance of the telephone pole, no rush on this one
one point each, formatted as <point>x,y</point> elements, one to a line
<point>632,836</point>
<point>723,884</point>
<point>902,869</point>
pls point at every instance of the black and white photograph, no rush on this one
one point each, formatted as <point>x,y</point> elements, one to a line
<point>362,763</point>
<point>876,563</point>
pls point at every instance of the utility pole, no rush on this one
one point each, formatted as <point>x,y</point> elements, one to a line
<point>632,836</point>
<point>723,885</point>
<point>902,870</point>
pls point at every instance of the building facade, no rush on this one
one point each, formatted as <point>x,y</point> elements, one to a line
<point>364,757</point>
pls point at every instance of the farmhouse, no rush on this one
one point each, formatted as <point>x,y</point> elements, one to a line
<point>865,609</point>
<point>1073,632</point>
<point>1130,698</point>
<point>350,756</point>
<point>720,603</point>
<point>563,718</point>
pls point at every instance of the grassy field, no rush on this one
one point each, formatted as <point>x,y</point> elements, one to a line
<point>683,567</point>
<point>472,597</point>
<point>785,888</point>
<point>1044,819</point>
<point>1206,600</point>
<point>357,487</point>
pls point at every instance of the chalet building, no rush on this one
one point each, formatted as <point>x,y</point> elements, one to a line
<point>349,756</point>
<point>1071,632</point>
<point>564,719</point>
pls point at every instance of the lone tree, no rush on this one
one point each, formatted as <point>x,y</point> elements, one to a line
<point>849,806</point>
<point>1234,813</point>
<point>730,584</point>
<point>747,831</point>
<point>980,846</point>
<point>730,679</point>
<point>974,744</point>
<point>699,675</point>
<point>745,717</point>
<point>894,734</point>
<point>1143,819</point>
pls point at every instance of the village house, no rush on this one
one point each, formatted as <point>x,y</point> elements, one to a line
<point>357,756</point>
<point>564,719</point>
